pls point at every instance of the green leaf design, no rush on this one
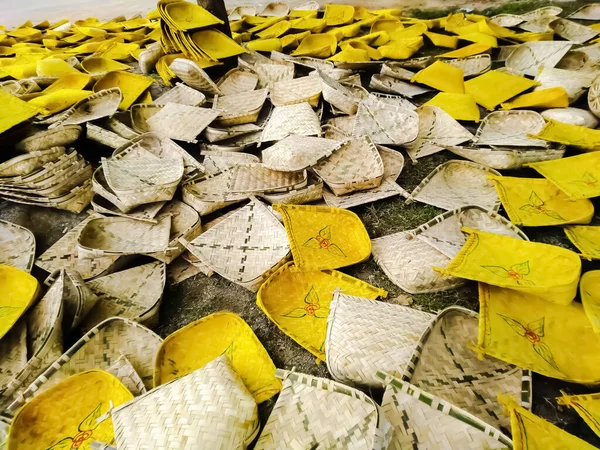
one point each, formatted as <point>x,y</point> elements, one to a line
<point>525,282</point>
<point>535,200</point>
<point>522,268</point>
<point>325,233</point>
<point>497,270</point>
<point>514,324</point>
<point>312,297</point>
<point>530,209</point>
<point>90,422</point>
<point>544,351</point>
<point>554,215</point>
<point>537,326</point>
<point>325,313</point>
<point>63,444</point>
<point>312,243</point>
<point>336,250</point>
<point>296,313</point>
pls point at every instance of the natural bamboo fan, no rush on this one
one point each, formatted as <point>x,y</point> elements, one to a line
<point>140,114</point>
<point>529,57</point>
<point>472,65</point>
<point>299,119</point>
<point>100,348</point>
<point>29,162</point>
<point>13,357</point>
<point>42,140</point>
<point>126,374</point>
<point>221,333</point>
<point>477,382</point>
<point>338,95</point>
<point>572,116</point>
<point>17,246</point>
<point>538,202</point>
<point>298,302</point>
<point>216,162</point>
<point>21,290</point>
<point>193,76</point>
<point>104,137</point>
<point>244,247</point>
<point>149,57</point>
<point>211,404</point>
<point>574,82</point>
<point>237,81</point>
<point>295,153</point>
<point>363,334</point>
<point>436,129</point>
<point>573,31</point>
<point>324,238</point>
<point>240,108</point>
<point>87,397</point>
<point>391,85</point>
<point>143,212</point>
<point>455,184</point>
<point>275,9</point>
<point>103,103</point>
<point>217,134</point>
<point>77,298</point>
<point>586,12</point>
<point>181,122</point>
<point>510,128</point>
<point>133,294</point>
<point>299,90</point>
<point>312,192</point>
<point>501,158</point>
<point>421,419</point>
<point>181,94</point>
<point>310,409</point>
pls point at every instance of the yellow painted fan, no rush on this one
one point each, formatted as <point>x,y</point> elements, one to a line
<point>186,16</point>
<point>131,85</point>
<point>19,291</point>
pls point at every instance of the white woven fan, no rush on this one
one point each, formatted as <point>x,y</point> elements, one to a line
<point>295,153</point>
<point>95,106</point>
<point>181,94</point>
<point>240,108</point>
<point>297,119</point>
<point>42,140</point>
<point>529,57</point>
<point>510,128</point>
<point>181,122</point>
<point>297,90</point>
<point>17,246</point>
<point>237,81</point>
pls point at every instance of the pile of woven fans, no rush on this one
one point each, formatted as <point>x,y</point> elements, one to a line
<point>192,145</point>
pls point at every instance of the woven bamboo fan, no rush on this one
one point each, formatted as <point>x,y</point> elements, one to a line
<point>363,334</point>
<point>573,116</point>
<point>185,224</point>
<point>44,340</point>
<point>214,134</point>
<point>100,348</point>
<point>210,193</point>
<point>312,192</point>
<point>237,81</point>
<point>594,99</point>
<point>104,137</point>
<point>529,57</point>
<point>392,69</point>
<point>338,95</point>
<point>132,294</point>
<point>13,356</point>
<point>458,183</point>
<point>295,153</point>
<point>385,123</point>
<point>298,90</point>
<point>240,11</point>
<point>573,31</point>
<point>587,12</point>
<point>101,188</point>
<point>309,411</point>
<point>106,236</point>
<point>344,124</point>
<point>393,163</point>
<point>355,166</point>
<point>472,65</point>
<point>391,85</point>
<point>140,114</point>
<point>80,425</point>
<point>298,302</point>
<point>60,137</point>
<point>422,420</point>
<point>181,94</point>
<point>142,212</point>
<point>149,57</point>
<point>503,52</point>
<point>436,130</point>
<point>501,158</point>
<point>192,75</point>
<point>116,126</point>
<point>240,108</point>
<point>47,172</point>
<point>276,9</point>
<point>20,291</point>
<point>396,100</point>
<point>443,354</point>
<point>126,374</point>
<point>297,119</point>
<point>546,11</point>
<point>29,162</point>
<point>270,72</point>
<point>221,333</point>
<point>181,122</point>
<point>574,82</point>
<point>95,106</point>
<point>216,162</point>
<point>244,247</point>
<point>211,404</point>
<point>17,246</point>
<point>510,128</point>
<point>77,298</point>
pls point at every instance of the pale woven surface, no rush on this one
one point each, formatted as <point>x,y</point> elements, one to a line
<point>395,100</point>
<point>586,12</point>
<point>149,57</point>
<point>193,76</point>
<point>17,246</point>
<point>120,128</point>
<point>60,137</point>
<point>436,129</point>
<point>214,134</point>
<point>385,123</point>
<point>131,294</point>
<point>181,122</point>
<point>270,71</point>
<point>295,153</point>
<point>181,94</point>
<point>210,408</point>
<point>311,193</point>
<point>297,119</point>
<point>392,69</point>
<point>140,114</point>
<point>390,85</point>
<point>297,90</point>
<point>13,354</point>
<point>510,128</point>
<point>313,412</point>
<point>95,106</point>
<point>501,158</point>
<point>104,137</point>
<point>529,57</point>
<point>243,247</point>
<point>421,420</point>
<point>355,166</point>
<point>125,372</point>
<point>250,178</point>
<point>447,367</point>
<point>574,82</point>
<point>99,349</point>
<point>77,297</point>
<point>458,183</point>
<point>237,81</point>
<point>29,162</point>
<point>240,108</point>
<point>472,65</point>
<point>338,95</point>
<point>276,9</point>
<point>215,162</point>
<point>364,336</point>
<point>573,31</point>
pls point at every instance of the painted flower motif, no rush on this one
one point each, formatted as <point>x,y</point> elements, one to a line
<point>86,431</point>
<point>588,180</point>
<point>533,332</point>
<point>517,272</point>
<point>312,307</point>
<point>537,206</point>
<point>323,241</point>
